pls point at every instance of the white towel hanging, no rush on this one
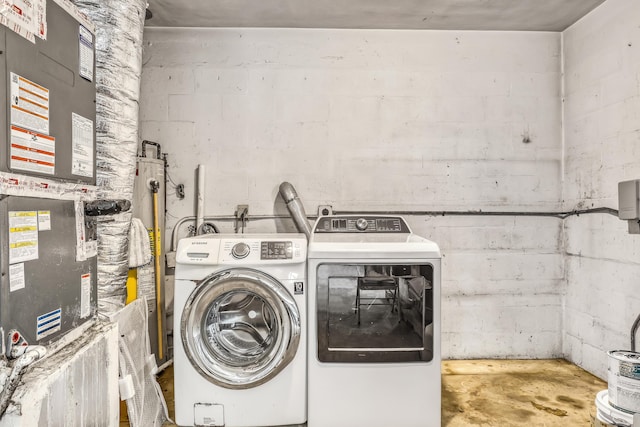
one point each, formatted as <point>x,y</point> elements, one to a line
<point>139,244</point>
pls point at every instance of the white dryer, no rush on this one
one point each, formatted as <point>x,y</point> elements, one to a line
<point>240,330</point>
<point>374,324</point>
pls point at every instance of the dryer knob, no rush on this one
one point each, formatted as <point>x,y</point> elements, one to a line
<point>362,224</point>
<point>240,250</point>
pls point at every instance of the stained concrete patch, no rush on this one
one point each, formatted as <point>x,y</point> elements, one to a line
<point>553,411</point>
<point>517,393</point>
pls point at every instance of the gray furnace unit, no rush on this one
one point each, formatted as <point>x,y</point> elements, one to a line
<point>48,247</point>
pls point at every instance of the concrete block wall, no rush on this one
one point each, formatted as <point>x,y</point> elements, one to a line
<point>602,147</point>
<point>381,120</point>
<point>501,283</point>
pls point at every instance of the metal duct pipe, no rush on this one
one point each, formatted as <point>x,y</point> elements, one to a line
<point>119,28</point>
<point>634,331</point>
<point>200,198</point>
<point>296,209</point>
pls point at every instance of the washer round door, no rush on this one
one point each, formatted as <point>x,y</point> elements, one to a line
<point>240,327</point>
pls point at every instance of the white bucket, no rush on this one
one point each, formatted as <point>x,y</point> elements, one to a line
<point>610,415</point>
<point>624,380</point>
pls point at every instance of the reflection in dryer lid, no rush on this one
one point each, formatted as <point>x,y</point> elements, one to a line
<point>240,327</point>
<point>378,313</point>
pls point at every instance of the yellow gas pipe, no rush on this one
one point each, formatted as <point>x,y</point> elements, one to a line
<point>157,254</point>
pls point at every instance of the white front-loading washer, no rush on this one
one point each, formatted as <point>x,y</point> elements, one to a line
<point>240,330</point>
<point>374,324</point>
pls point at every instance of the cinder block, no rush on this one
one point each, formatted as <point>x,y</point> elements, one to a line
<point>195,108</point>
<point>167,80</point>
<point>461,109</point>
<point>220,80</point>
<point>154,107</point>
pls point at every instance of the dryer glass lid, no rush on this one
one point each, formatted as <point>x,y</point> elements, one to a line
<point>378,313</point>
<point>240,326</point>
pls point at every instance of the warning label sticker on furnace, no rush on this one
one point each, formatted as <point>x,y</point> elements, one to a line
<point>23,236</point>
<point>82,141</point>
<point>32,151</point>
<point>48,323</point>
<point>85,295</point>
<point>81,252</point>
<point>29,104</point>
<point>44,220</point>
<point>86,53</point>
<point>16,277</point>
<point>21,17</point>
<point>41,18</point>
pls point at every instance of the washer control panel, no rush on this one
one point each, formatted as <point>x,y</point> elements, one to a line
<point>361,224</point>
<point>212,249</point>
<point>249,250</point>
<point>268,250</point>
<point>276,250</point>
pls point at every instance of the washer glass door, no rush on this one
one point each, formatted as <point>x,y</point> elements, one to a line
<point>240,328</point>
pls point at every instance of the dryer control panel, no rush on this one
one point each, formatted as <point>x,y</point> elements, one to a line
<point>361,224</point>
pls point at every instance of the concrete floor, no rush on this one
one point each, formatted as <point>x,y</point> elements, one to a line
<point>517,393</point>
<point>501,393</point>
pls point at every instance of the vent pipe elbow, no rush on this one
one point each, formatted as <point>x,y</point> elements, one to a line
<point>296,209</point>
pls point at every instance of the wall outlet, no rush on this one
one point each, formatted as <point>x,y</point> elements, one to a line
<point>629,199</point>
<point>629,204</point>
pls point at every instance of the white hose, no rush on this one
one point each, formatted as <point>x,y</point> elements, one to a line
<point>31,354</point>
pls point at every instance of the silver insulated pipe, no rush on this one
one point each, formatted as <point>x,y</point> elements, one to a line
<point>296,209</point>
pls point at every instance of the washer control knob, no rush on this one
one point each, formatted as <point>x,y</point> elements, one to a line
<point>240,250</point>
<point>362,224</point>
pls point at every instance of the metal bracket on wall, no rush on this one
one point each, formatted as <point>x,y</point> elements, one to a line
<point>241,217</point>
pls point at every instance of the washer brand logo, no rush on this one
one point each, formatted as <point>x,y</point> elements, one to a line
<point>198,243</point>
<point>298,288</point>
